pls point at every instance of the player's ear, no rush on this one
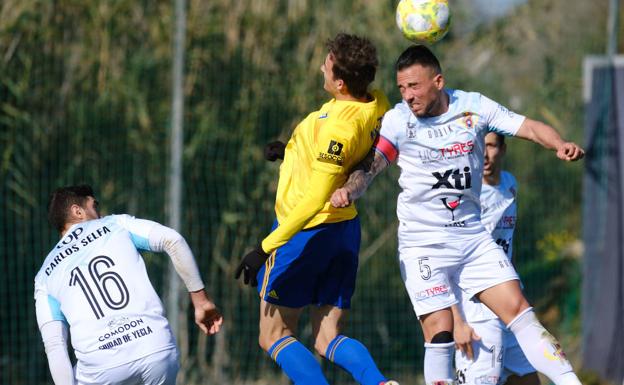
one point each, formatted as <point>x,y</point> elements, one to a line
<point>75,211</point>
<point>341,86</point>
<point>438,80</point>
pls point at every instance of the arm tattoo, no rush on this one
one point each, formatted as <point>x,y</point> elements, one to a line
<point>363,174</point>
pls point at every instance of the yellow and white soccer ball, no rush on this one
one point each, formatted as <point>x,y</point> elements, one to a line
<point>423,21</point>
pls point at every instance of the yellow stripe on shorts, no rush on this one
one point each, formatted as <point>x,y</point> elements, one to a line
<point>268,266</point>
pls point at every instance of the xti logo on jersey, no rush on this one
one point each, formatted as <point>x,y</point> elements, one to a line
<point>461,181</point>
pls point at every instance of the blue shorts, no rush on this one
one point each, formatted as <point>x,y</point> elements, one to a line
<point>317,266</point>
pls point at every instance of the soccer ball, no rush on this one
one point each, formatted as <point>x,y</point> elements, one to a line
<point>423,21</point>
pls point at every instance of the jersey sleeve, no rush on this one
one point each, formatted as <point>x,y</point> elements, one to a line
<point>152,236</point>
<point>387,143</point>
<point>163,238</point>
<point>334,147</point>
<point>47,308</point>
<point>499,118</point>
<point>139,230</point>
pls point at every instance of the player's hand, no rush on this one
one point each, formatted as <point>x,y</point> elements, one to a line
<point>250,265</point>
<point>274,151</point>
<point>464,334</point>
<point>340,198</point>
<point>207,316</point>
<point>570,151</point>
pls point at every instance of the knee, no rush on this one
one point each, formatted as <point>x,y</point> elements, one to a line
<point>443,337</point>
<point>322,341</point>
<point>267,340</point>
<point>264,342</point>
<point>437,325</point>
<point>517,305</point>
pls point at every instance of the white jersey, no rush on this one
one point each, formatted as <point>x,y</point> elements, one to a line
<point>441,162</point>
<point>499,211</point>
<point>498,215</point>
<point>95,280</point>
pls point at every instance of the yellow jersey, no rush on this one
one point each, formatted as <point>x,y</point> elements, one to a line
<point>319,156</point>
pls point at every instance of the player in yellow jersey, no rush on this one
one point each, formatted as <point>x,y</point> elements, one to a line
<point>311,256</point>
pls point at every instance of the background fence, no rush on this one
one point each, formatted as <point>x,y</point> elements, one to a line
<point>85,96</point>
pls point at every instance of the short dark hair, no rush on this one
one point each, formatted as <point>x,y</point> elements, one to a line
<point>62,199</point>
<point>418,54</point>
<point>355,62</point>
<point>500,138</point>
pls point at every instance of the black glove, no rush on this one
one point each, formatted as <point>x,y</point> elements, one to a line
<point>251,264</point>
<point>274,151</point>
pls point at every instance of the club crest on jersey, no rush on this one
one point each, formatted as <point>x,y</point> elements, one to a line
<point>332,155</point>
<point>323,116</point>
<point>410,131</point>
<point>469,120</point>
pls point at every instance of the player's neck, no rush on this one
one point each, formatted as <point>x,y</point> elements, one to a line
<point>493,179</point>
<point>69,224</point>
<point>440,106</point>
<point>350,98</point>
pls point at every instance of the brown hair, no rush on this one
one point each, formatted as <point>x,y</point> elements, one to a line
<point>62,199</point>
<point>355,62</point>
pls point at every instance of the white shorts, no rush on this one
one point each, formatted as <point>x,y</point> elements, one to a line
<point>514,360</point>
<point>487,366</point>
<point>160,368</point>
<point>474,263</point>
<point>497,356</point>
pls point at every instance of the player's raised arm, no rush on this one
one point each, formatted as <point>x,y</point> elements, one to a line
<point>359,179</point>
<point>164,239</point>
<point>549,138</point>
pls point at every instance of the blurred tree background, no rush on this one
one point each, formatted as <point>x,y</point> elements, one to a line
<point>85,96</point>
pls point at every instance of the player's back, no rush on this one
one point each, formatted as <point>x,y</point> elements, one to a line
<point>95,280</point>
<point>335,138</point>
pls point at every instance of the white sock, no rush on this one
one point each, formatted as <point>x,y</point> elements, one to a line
<point>439,363</point>
<point>542,349</point>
